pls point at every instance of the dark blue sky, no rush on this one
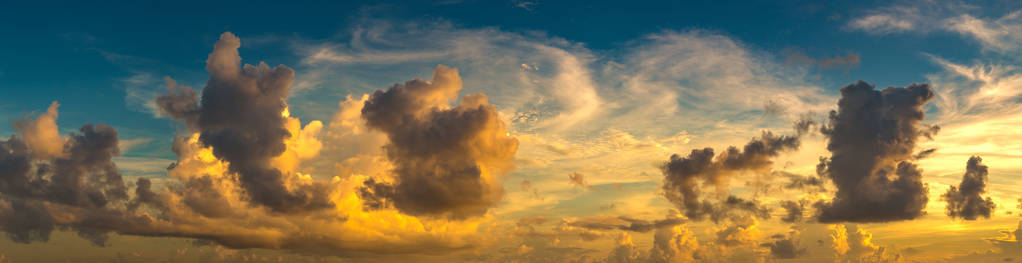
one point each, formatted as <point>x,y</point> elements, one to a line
<point>81,53</point>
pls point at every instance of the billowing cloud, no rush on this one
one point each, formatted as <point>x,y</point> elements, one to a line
<point>739,231</point>
<point>41,134</point>
<point>966,201</point>
<point>682,175</point>
<point>785,246</point>
<point>854,244</point>
<point>449,160</point>
<point>872,137</point>
<point>625,250</point>
<point>674,244</point>
<point>35,181</point>
<point>208,195</point>
<point>242,116</point>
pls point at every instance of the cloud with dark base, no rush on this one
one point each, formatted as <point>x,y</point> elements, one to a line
<point>872,137</point>
<point>448,160</point>
<point>966,200</point>
<point>241,118</point>
<point>683,175</point>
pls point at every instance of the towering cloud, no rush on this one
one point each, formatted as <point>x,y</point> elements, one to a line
<point>242,116</point>
<point>237,181</point>
<point>682,175</point>
<point>448,160</point>
<point>872,136</point>
<point>966,201</point>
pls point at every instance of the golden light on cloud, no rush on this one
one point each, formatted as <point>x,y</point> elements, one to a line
<point>419,139</point>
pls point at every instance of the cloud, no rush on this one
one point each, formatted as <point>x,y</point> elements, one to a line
<point>41,134</point>
<point>449,161</point>
<point>739,231</point>
<point>907,17</point>
<point>242,117</point>
<point>674,244</point>
<point>785,247</point>
<point>898,20</point>
<point>843,63</point>
<point>853,244</point>
<point>1003,35</point>
<point>623,223</point>
<point>625,250</point>
<point>579,180</point>
<point>682,175</point>
<point>179,103</point>
<point>872,136</point>
<point>966,201</point>
<point>208,196</point>
<point>34,180</point>
<point>794,210</point>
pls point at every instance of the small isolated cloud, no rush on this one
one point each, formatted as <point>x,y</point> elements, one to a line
<point>579,180</point>
<point>966,200</point>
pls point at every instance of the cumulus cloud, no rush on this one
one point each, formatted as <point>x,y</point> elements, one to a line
<point>449,160</point>
<point>41,134</point>
<point>785,247</point>
<point>242,116</point>
<point>625,250</point>
<point>208,195</point>
<point>682,175</point>
<point>872,137</point>
<point>35,180</point>
<point>739,231</point>
<point>966,200</point>
<point>854,244</point>
<point>674,244</point>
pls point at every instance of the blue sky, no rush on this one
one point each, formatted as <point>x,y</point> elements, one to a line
<point>81,54</point>
<point>607,89</point>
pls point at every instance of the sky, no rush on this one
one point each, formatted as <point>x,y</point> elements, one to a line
<point>511,131</point>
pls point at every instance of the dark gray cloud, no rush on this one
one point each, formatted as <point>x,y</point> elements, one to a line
<point>240,119</point>
<point>180,103</point>
<point>925,153</point>
<point>683,175</point>
<point>793,211</point>
<point>84,176</point>
<point>81,178</point>
<point>871,137</point>
<point>625,223</point>
<point>448,160</point>
<point>804,125</point>
<point>966,201</point>
<point>785,248</point>
<point>808,183</point>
